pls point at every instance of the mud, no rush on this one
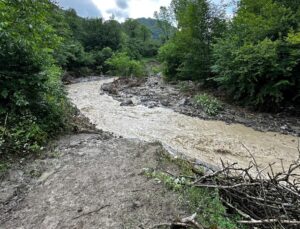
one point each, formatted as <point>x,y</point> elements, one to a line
<point>207,141</point>
<point>90,181</point>
<point>154,92</point>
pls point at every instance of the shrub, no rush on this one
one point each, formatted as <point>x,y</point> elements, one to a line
<point>29,129</point>
<point>101,57</point>
<point>258,61</point>
<point>209,104</point>
<point>21,134</point>
<point>170,56</point>
<point>121,64</point>
<point>255,74</point>
<point>33,105</point>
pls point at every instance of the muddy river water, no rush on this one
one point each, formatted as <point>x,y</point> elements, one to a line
<point>208,141</point>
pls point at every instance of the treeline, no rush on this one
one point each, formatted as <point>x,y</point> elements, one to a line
<point>254,56</point>
<point>40,43</point>
<point>89,43</point>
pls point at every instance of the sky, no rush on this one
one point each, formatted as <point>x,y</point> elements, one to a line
<point>121,9</point>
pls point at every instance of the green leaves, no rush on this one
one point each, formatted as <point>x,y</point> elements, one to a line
<point>209,104</point>
<point>29,82</point>
<point>122,65</point>
<point>4,93</point>
<point>198,26</point>
<point>257,61</point>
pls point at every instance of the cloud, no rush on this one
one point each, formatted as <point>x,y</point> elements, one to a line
<point>121,9</point>
<point>118,13</point>
<point>84,8</point>
<point>122,4</point>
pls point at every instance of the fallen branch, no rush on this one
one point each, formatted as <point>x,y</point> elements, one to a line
<point>269,221</point>
<point>268,200</point>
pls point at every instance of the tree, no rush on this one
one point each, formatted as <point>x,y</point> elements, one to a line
<point>32,101</point>
<point>165,21</point>
<point>198,26</point>
<point>258,61</point>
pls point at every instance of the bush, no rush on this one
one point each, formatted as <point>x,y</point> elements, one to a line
<point>33,105</point>
<point>29,129</point>
<point>21,134</point>
<point>121,64</point>
<point>100,59</point>
<point>209,104</point>
<point>258,62</point>
<point>170,56</point>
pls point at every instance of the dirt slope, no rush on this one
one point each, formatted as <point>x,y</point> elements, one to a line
<point>88,183</point>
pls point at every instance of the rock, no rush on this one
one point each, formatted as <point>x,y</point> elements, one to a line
<point>284,127</point>
<point>126,102</point>
<point>164,102</point>
<point>106,87</point>
<point>183,102</point>
<point>109,88</point>
<point>159,75</point>
<point>152,104</point>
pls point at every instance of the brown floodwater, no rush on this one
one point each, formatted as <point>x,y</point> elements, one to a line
<point>207,141</point>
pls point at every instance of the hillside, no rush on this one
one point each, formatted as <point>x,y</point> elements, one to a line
<point>152,25</point>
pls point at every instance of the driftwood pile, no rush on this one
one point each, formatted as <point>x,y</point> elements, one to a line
<point>263,198</point>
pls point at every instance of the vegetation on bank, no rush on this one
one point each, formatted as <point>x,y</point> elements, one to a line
<point>255,56</point>
<point>206,203</point>
<point>33,105</point>
<point>40,43</point>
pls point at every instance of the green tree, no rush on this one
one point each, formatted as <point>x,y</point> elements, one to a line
<point>258,60</point>
<point>121,64</point>
<point>165,20</point>
<point>198,26</point>
<point>32,101</point>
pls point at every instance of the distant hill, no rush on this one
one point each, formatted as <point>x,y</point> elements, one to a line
<point>152,25</point>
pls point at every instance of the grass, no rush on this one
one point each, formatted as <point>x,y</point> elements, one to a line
<point>205,202</point>
<point>209,104</point>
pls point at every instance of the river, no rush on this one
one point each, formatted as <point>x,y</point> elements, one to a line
<point>207,141</point>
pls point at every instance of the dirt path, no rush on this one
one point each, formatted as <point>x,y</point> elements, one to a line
<point>90,182</point>
<point>205,140</point>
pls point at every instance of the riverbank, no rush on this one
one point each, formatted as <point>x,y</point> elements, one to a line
<point>154,92</point>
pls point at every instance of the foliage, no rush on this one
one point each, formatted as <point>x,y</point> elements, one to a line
<point>209,104</point>
<point>175,184</point>
<point>188,55</point>
<point>137,42</point>
<point>171,57</point>
<point>121,64</point>
<point>206,203</point>
<point>165,20</point>
<point>258,61</point>
<point>33,105</point>
<point>211,211</point>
